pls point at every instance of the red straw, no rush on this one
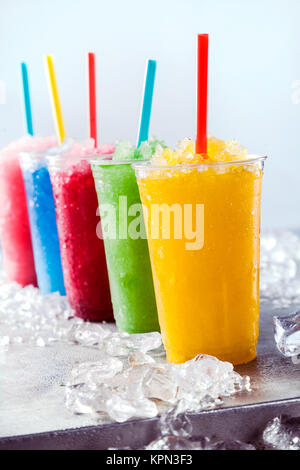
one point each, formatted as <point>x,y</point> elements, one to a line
<point>201,138</point>
<point>92,97</point>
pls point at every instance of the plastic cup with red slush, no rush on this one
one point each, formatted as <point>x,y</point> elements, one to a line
<point>82,251</point>
<point>14,222</point>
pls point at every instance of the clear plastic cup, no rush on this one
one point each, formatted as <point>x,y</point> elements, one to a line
<point>82,251</point>
<point>42,217</point>
<point>205,265</point>
<point>14,221</point>
<point>127,256</point>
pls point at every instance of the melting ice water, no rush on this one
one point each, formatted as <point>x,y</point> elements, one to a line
<point>140,387</point>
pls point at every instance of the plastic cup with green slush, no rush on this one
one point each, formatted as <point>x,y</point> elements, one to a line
<point>125,241</point>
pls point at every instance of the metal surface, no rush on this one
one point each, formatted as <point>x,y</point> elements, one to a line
<point>32,399</point>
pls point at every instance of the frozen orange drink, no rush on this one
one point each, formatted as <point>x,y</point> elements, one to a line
<point>203,223</point>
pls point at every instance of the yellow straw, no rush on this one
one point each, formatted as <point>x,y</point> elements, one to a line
<point>57,113</point>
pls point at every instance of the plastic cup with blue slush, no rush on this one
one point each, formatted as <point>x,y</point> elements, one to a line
<point>42,218</point>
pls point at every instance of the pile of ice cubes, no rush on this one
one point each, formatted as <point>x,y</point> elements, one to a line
<point>135,381</point>
<point>281,433</point>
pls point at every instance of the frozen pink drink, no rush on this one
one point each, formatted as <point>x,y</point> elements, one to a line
<point>82,252</point>
<point>14,221</point>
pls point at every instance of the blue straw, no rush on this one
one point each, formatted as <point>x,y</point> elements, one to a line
<point>27,98</point>
<point>147,103</point>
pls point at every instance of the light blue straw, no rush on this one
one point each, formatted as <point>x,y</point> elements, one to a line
<point>27,98</point>
<point>147,103</point>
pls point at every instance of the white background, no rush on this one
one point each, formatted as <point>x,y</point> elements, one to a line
<point>254,61</point>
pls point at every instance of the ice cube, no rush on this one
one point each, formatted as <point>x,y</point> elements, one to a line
<point>121,344</point>
<point>282,434</point>
<point>202,374</point>
<point>88,334</point>
<point>80,399</point>
<point>160,384</point>
<point>138,358</point>
<point>158,352</point>
<point>95,373</point>
<point>121,410</point>
<point>287,334</point>
<point>176,422</point>
<point>129,385</point>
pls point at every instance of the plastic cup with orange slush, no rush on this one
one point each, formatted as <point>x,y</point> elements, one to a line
<point>202,215</point>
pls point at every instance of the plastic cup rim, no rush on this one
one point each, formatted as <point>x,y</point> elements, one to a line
<point>186,166</point>
<point>34,154</point>
<point>108,160</point>
<point>55,157</point>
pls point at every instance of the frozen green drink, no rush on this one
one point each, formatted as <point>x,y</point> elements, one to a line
<point>126,246</point>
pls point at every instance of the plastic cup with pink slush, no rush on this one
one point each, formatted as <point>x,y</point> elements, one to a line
<point>14,221</point>
<point>82,251</point>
